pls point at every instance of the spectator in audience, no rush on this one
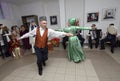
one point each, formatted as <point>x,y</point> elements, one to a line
<point>111,36</point>
<point>79,33</point>
<point>25,42</point>
<point>94,35</point>
<point>80,37</point>
<point>6,39</point>
<point>32,38</point>
<point>1,41</point>
<point>64,42</point>
<point>15,31</point>
<point>15,47</point>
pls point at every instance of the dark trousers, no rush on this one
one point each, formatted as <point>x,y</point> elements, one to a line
<point>112,40</point>
<point>65,39</point>
<point>81,39</point>
<point>1,51</point>
<point>91,42</point>
<point>6,47</point>
<point>42,56</point>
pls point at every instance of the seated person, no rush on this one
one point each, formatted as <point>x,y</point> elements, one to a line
<point>111,36</point>
<point>65,39</point>
<point>80,37</point>
<point>15,47</point>
<point>94,34</point>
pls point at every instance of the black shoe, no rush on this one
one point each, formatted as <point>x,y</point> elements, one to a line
<point>78,61</point>
<point>112,51</point>
<point>91,47</point>
<point>40,72</point>
<point>96,46</point>
<point>44,64</point>
<point>102,48</point>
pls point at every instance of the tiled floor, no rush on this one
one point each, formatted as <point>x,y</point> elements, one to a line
<point>98,66</point>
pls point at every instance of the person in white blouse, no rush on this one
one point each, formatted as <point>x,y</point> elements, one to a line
<point>42,34</point>
<point>32,38</point>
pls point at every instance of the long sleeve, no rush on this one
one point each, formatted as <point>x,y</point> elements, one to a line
<point>29,34</point>
<point>83,28</point>
<point>53,33</point>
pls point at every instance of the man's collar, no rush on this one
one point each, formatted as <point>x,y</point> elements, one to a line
<point>42,28</point>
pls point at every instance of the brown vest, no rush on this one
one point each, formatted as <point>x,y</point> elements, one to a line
<point>41,41</point>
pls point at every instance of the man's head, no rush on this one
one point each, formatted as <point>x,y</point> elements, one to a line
<point>1,26</point>
<point>111,24</point>
<point>43,22</point>
<point>93,26</point>
<point>33,23</point>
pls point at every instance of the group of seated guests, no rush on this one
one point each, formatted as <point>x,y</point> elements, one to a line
<point>8,40</point>
<point>95,36</point>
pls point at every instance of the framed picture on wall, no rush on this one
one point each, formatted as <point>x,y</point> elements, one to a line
<point>109,13</point>
<point>93,17</point>
<point>53,20</point>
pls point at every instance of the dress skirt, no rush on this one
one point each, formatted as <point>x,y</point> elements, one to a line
<point>75,51</point>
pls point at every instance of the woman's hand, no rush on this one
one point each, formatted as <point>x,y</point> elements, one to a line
<point>69,34</point>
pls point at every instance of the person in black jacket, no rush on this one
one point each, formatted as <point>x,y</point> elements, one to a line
<point>80,37</point>
<point>111,37</point>
<point>94,35</point>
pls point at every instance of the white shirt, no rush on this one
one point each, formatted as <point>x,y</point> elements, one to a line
<point>0,31</point>
<point>1,40</point>
<point>51,33</point>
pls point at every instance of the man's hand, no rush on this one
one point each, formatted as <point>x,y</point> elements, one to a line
<point>69,34</point>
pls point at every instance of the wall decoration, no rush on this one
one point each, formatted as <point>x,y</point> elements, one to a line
<point>53,20</point>
<point>93,17</point>
<point>109,13</point>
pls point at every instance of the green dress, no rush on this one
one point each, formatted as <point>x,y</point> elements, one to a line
<point>75,51</point>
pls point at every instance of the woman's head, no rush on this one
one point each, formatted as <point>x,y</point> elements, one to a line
<point>72,21</point>
<point>22,28</point>
<point>13,28</point>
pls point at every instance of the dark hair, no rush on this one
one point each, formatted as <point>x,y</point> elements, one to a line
<point>22,25</point>
<point>1,24</point>
<point>13,27</point>
<point>111,24</point>
<point>93,25</point>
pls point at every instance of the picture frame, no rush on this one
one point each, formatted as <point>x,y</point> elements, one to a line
<point>53,20</point>
<point>109,14</point>
<point>93,17</point>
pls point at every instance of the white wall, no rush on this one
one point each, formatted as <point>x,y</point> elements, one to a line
<point>80,8</point>
<point>9,14</point>
<point>72,8</point>
<point>98,6</point>
<point>42,8</point>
